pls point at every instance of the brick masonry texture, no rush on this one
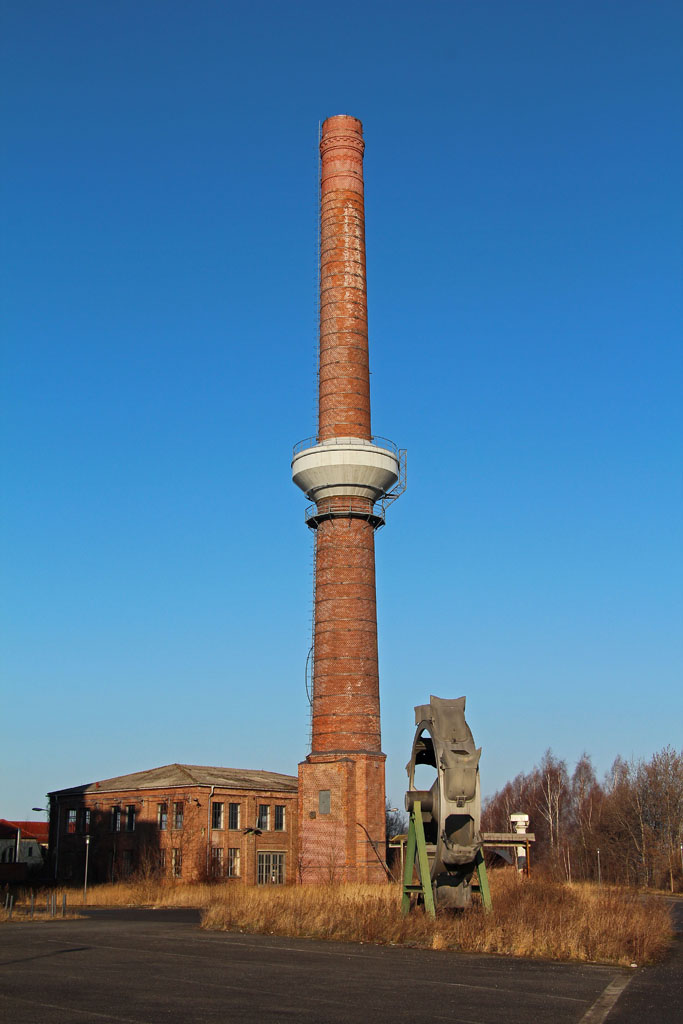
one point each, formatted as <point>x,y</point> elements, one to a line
<point>333,847</point>
<point>114,854</point>
<point>346,682</point>
<point>344,395</point>
<point>346,756</point>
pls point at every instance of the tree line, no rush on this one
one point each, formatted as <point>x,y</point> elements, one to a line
<point>626,829</point>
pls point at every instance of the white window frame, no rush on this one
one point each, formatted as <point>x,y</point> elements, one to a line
<point>237,815</point>
<point>217,815</point>
<point>263,816</point>
<point>271,867</point>
<point>216,861</point>
<point>234,858</point>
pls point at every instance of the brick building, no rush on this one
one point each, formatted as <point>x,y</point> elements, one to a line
<point>181,821</point>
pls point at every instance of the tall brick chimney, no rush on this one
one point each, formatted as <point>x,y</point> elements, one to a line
<point>350,477</point>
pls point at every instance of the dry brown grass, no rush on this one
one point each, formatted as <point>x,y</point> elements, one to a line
<point>143,893</point>
<point>20,916</point>
<point>533,918</point>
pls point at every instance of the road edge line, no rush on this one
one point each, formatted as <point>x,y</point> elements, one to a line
<point>597,1013</point>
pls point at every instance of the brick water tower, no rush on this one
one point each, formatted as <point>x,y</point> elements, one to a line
<point>350,476</point>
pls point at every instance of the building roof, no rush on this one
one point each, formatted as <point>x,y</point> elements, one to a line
<point>35,830</point>
<point>184,776</point>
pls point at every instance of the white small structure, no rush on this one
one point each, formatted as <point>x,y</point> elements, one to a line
<point>520,824</point>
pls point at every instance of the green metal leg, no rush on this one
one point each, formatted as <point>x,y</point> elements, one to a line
<point>416,845</point>
<point>423,863</point>
<point>483,882</point>
<point>408,867</point>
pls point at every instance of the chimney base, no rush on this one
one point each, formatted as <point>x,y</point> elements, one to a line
<point>336,791</point>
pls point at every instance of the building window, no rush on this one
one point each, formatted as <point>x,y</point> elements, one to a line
<point>216,815</point>
<point>85,821</point>
<point>162,860</point>
<point>217,861</point>
<point>178,815</point>
<point>263,817</point>
<point>324,801</point>
<point>271,868</point>
<point>29,852</point>
<point>126,862</point>
<point>116,818</point>
<point>71,821</point>
<point>162,816</point>
<point>279,819</point>
<point>177,862</point>
<point>233,863</point>
<point>233,815</point>
<point>130,818</point>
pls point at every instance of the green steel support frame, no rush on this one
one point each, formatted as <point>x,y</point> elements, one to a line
<point>484,890</point>
<point>416,845</point>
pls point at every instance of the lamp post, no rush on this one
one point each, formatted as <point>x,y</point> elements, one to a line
<point>599,872</point>
<point>48,812</point>
<point>85,876</point>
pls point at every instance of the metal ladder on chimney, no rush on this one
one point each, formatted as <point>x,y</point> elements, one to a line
<point>310,660</point>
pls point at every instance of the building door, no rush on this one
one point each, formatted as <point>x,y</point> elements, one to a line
<point>271,868</point>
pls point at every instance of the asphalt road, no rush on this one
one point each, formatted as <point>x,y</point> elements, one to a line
<point>144,967</point>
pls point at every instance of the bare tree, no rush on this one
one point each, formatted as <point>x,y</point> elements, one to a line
<point>635,817</point>
<point>553,791</point>
<point>396,821</point>
<point>586,798</point>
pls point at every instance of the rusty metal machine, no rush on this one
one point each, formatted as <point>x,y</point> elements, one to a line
<point>444,841</point>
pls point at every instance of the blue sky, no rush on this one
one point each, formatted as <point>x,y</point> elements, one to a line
<point>522,171</point>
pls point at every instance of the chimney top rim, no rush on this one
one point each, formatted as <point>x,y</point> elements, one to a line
<point>343,122</point>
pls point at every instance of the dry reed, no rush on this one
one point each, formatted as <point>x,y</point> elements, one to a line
<point>531,918</point>
<point>134,893</point>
